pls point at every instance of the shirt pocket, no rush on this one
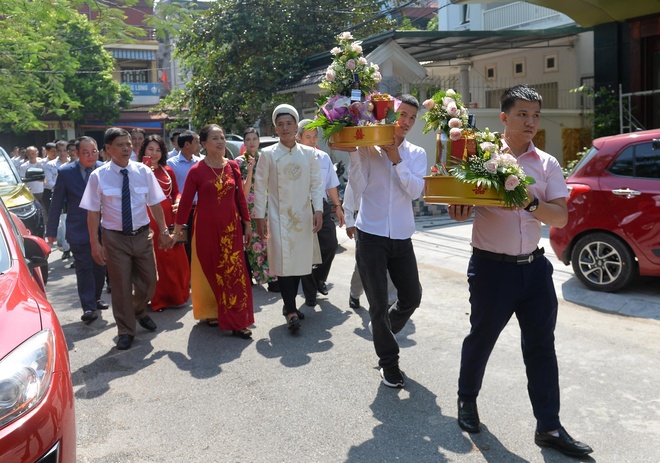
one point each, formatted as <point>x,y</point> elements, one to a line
<point>113,197</point>
<point>139,195</point>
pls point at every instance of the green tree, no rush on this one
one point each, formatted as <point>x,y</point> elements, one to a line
<point>433,24</point>
<point>92,86</point>
<point>605,116</point>
<point>237,53</point>
<point>53,64</point>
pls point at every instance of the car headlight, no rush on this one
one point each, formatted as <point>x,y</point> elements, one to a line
<point>27,210</point>
<point>25,375</point>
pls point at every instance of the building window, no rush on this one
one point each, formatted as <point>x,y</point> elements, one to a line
<point>550,63</point>
<point>134,75</point>
<point>519,67</point>
<point>465,14</point>
<point>491,72</point>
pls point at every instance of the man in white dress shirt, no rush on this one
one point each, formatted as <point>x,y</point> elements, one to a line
<point>327,235</point>
<point>123,190</point>
<point>50,171</point>
<point>386,180</point>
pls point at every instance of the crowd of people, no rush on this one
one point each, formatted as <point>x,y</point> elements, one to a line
<point>167,227</point>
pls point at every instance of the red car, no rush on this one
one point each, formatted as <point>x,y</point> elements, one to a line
<point>613,230</point>
<point>37,415</point>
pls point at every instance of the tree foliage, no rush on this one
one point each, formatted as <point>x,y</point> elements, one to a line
<point>53,64</point>
<point>237,53</point>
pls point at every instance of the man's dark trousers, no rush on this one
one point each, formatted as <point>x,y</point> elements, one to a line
<point>376,255</point>
<point>90,276</point>
<point>328,243</point>
<point>497,291</point>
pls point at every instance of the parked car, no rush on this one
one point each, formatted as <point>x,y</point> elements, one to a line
<point>18,197</point>
<point>235,146</point>
<point>613,230</point>
<point>37,415</point>
<point>267,141</point>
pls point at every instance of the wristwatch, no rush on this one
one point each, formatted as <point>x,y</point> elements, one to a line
<point>531,207</point>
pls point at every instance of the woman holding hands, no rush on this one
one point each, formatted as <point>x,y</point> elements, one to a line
<point>173,284</point>
<point>221,289</point>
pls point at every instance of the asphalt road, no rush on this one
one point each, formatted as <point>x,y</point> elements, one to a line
<point>190,393</point>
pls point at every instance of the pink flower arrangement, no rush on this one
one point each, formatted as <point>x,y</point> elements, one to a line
<point>336,110</point>
<point>489,167</point>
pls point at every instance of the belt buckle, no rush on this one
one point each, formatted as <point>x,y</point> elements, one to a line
<point>523,260</point>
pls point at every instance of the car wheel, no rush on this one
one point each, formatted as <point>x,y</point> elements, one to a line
<point>603,262</point>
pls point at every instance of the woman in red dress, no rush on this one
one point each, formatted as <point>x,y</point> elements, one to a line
<point>173,284</point>
<point>221,286</point>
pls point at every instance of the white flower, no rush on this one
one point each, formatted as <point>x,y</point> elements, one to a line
<point>452,109</point>
<point>363,61</point>
<point>491,166</point>
<point>330,75</point>
<point>455,134</point>
<point>488,146</point>
<point>335,51</point>
<point>345,36</point>
<point>507,159</point>
<point>450,92</point>
<point>429,104</point>
<point>446,100</point>
<point>375,67</point>
<point>356,47</point>
<point>455,123</point>
<point>377,77</point>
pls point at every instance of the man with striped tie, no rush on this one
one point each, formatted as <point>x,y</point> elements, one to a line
<point>123,189</point>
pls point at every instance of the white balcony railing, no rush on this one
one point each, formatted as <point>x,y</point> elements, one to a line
<point>517,14</point>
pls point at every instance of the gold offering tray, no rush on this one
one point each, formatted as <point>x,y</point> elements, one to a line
<point>448,190</point>
<point>366,135</point>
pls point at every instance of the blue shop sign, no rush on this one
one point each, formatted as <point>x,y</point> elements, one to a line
<point>144,89</point>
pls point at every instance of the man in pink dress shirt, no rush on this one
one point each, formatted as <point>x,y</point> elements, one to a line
<point>509,274</point>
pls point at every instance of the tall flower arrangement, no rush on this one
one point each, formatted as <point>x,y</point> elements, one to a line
<point>348,61</point>
<point>336,110</point>
<point>446,112</point>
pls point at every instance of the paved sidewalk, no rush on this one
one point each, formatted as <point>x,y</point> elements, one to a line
<point>445,243</point>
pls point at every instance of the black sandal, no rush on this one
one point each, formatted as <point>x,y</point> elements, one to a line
<point>300,315</point>
<point>294,323</point>
<point>245,333</point>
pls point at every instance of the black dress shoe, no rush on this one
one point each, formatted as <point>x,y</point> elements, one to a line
<point>294,323</point>
<point>322,288</point>
<point>147,323</point>
<point>468,416</point>
<point>66,255</point>
<point>124,342</point>
<point>310,302</point>
<point>89,316</point>
<point>101,305</point>
<point>564,443</point>
<point>353,302</point>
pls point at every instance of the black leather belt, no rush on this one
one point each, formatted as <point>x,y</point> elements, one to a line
<point>522,259</point>
<point>134,232</point>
